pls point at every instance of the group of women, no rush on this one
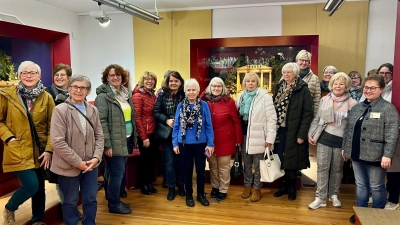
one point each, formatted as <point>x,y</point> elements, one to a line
<point>193,128</point>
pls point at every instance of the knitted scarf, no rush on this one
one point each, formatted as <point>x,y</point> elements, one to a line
<point>355,93</point>
<point>324,86</point>
<point>282,99</point>
<point>30,93</point>
<point>334,109</point>
<point>213,98</point>
<point>60,94</point>
<point>121,95</point>
<point>189,116</point>
<point>245,104</point>
<point>304,72</point>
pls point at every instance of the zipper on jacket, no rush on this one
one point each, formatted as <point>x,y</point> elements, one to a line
<point>147,124</point>
<point>248,125</point>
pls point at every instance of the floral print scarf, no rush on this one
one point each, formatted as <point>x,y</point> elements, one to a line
<point>189,116</point>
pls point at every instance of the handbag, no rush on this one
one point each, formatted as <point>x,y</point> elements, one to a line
<point>237,167</point>
<point>163,131</point>
<point>318,131</point>
<point>47,173</point>
<point>270,167</point>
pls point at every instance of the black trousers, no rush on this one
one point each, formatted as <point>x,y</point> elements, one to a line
<point>393,186</point>
<point>147,162</point>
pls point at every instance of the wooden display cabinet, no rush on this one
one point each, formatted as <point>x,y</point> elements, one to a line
<point>264,72</point>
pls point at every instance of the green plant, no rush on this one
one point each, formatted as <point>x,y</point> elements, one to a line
<point>7,69</point>
<point>276,63</point>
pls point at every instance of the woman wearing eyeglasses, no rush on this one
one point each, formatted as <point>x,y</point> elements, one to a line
<point>227,134</point>
<point>78,142</point>
<point>21,155</point>
<point>117,118</point>
<point>303,60</point>
<point>58,90</point>
<point>355,90</point>
<point>372,131</point>
<point>386,71</point>
<point>143,101</point>
<point>328,71</point>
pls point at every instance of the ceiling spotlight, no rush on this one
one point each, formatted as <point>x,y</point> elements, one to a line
<point>101,16</point>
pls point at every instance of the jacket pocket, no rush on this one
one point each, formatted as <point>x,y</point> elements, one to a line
<point>63,164</point>
<point>377,141</point>
<point>12,153</point>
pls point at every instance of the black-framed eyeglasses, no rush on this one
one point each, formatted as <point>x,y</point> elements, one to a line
<point>385,73</point>
<point>366,88</point>
<point>304,61</point>
<point>31,73</point>
<point>82,88</point>
<point>60,75</point>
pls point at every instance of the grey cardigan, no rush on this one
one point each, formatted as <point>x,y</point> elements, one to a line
<point>379,130</point>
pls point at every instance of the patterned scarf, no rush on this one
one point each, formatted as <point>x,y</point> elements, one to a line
<point>30,93</point>
<point>122,95</point>
<point>355,93</point>
<point>189,116</point>
<point>244,107</point>
<point>171,102</point>
<point>213,98</point>
<point>334,109</point>
<point>60,94</point>
<point>282,100</point>
<point>324,86</point>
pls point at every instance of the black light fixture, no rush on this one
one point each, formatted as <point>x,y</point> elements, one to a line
<point>332,6</point>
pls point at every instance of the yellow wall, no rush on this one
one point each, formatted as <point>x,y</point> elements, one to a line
<point>167,46</point>
<point>342,37</point>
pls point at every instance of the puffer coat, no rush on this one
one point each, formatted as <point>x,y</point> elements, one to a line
<point>299,116</point>
<point>262,122</point>
<point>22,153</point>
<point>315,89</point>
<point>113,121</point>
<point>226,125</point>
<point>143,102</point>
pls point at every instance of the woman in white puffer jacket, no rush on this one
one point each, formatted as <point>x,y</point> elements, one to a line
<point>258,117</point>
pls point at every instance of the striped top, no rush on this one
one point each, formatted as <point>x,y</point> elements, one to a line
<point>127,110</point>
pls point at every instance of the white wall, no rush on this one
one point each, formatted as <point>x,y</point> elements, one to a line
<point>381,33</point>
<point>247,22</point>
<point>102,46</point>
<point>37,14</point>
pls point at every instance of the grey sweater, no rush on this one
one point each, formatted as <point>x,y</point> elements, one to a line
<point>379,130</point>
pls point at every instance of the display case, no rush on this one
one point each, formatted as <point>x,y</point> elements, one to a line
<point>215,56</point>
<point>264,72</point>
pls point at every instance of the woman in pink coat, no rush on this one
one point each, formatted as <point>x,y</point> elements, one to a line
<point>227,135</point>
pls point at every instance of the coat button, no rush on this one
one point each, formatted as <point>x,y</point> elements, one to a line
<point>363,139</point>
<point>364,128</point>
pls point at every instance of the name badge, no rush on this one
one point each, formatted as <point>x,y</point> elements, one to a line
<point>375,115</point>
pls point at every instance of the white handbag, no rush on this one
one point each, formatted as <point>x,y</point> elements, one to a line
<point>270,167</point>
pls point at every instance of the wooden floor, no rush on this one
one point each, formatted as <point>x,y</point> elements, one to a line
<point>156,209</point>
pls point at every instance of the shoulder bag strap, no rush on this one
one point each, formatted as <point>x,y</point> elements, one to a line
<point>87,119</point>
<point>34,134</point>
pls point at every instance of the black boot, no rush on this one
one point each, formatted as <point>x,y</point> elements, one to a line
<point>283,189</point>
<point>181,190</point>
<point>203,200</point>
<point>145,190</point>
<point>292,189</point>
<point>152,188</point>
<point>171,193</point>
<point>214,193</point>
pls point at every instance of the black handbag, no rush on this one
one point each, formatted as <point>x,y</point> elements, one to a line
<point>47,174</point>
<point>163,131</point>
<point>237,167</point>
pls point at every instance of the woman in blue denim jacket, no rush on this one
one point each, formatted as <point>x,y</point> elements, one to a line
<point>372,132</point>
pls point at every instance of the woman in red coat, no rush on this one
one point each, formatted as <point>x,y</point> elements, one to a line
<point>143,99</point>
<point>227,135</point>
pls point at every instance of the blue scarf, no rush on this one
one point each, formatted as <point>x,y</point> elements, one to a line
<point>244,106</point>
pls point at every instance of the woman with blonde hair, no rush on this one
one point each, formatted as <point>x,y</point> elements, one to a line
<point>143,102</point>
<point>258,118</point>
<point>227,135</point>
<point>333,111</point>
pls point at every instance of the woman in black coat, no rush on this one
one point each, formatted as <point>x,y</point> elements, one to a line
<point>294,108</point>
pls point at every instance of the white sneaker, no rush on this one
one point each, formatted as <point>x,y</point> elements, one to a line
<point>317,203</point>
<point>391,206</point>
<point>370,200</point>
<point>335,201</point>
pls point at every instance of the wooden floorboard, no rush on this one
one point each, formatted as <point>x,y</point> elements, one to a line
<point>155,209</point>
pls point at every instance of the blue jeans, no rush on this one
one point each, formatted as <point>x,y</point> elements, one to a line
<point>173,167</point>
<point>70,186</point>
<point>369,179</point>
<point>190,152</point>
<point>115,169</point>
<point>32,186</point>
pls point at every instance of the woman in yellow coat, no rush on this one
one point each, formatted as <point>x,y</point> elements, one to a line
<point>21,154</point>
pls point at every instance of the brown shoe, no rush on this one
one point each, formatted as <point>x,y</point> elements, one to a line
<point>255,195</point>
<point>8,217</point>
<point>246,192</point>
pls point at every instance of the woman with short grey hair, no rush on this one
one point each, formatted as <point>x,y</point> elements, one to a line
<point>192,138</point>
<point>333,111</point>
<point>328,72</point>
<point>227,135</point>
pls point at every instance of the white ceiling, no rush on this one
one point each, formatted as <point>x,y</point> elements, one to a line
<point>84,6</point>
